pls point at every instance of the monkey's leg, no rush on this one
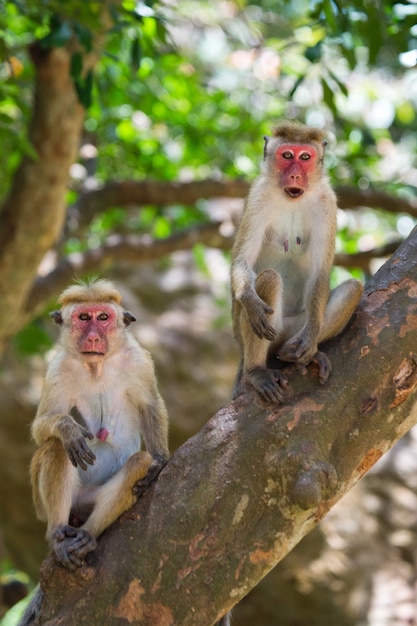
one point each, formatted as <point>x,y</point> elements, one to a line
<point>343,301</point>
<point>116,495</point>
<point>54,482</point>
<point>270,384</point>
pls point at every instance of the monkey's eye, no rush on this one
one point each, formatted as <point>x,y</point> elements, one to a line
<point>84,317</point>
<point>103,317</point>
<point>305,156</point>
<point>287,154</point>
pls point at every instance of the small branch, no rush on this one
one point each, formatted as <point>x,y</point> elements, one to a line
<point>352,197</point>
<point>117,249</point>
<point>362,260</point>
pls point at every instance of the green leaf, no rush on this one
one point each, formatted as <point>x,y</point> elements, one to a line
<point>136,53</point>
<point>76,65</point>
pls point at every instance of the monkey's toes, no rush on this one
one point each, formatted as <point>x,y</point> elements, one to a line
<point>71,550</point>
<point>270,385</point>
<point>325,367</point>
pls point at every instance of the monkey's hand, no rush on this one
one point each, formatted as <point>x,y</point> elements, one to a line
<point>71,545</point>
<point>257,311</point>
<point>300,349</point>
<point>73,437</point>
<point>142,485</point>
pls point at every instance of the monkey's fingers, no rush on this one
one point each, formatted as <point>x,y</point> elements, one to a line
<point>87,433</point>
<point>142,485</point>
<point>298,350</point>
<point>325,367</point>
<point>82,544</point>
<point>269,384</point>
<point>80,454</point>
<point>263,329</point>
<point>64,532</point>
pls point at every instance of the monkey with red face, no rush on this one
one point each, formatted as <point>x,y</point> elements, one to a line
<point>282,305</point>
<point>100,395</point>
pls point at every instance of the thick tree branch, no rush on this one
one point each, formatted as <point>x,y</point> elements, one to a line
<point>236,497</point>
<point>139,193</point>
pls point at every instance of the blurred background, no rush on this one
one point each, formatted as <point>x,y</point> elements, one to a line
<point>176,106</point>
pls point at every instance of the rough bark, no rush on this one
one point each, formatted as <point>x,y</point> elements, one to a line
<point>237,496</point>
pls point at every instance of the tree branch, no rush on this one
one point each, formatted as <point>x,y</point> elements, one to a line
<point>158,193</point>
<point>139,249</point>
<point>237,497</point>
<point>119,249</point>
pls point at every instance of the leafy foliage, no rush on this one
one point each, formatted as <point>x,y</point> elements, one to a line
<point>185,91</point>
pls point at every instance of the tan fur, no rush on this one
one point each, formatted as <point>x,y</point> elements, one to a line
<point>100,290</point>
<point>79,400</point>
<point>287,243</point>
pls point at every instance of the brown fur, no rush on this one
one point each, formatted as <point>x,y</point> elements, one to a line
<point>294,132</point>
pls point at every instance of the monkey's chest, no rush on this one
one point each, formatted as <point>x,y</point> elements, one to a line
<point>289,254</point>
<point>114,424</point>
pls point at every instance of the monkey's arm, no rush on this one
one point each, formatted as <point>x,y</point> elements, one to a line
<point>246,251</point>
<point>154,427</point>
<point>71,433</point>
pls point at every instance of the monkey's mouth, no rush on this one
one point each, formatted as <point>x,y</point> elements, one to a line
<point>92,353</point>
<point>294,192</point>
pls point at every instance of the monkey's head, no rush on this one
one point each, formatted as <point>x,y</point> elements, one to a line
<point>91,319</point>
<point>293,157</point>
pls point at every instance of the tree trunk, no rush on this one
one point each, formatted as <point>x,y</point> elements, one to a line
<point>33,213</point>
<point>237,497</point>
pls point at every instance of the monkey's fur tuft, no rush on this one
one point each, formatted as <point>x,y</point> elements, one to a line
<point>295,132</point>
<point>93,290</point>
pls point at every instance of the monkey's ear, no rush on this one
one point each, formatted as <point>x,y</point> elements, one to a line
<point>128,318</point>
<point>266,139</point>
<point>57,317</point>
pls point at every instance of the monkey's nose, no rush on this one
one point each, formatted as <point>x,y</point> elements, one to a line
<point>93,339</point>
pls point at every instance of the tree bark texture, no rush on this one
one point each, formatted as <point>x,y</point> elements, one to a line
<point>236,497</point>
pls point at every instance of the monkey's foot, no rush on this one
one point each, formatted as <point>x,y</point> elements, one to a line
<point>71,545</point>
<point>325,367</point>
<point>271,385</point>
<point>143,483</point>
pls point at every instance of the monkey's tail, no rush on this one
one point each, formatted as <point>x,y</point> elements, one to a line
<point>225,620</point>
<point>33,609</point>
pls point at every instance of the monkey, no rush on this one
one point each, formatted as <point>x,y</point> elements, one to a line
<point>99,396</point>
<point>282,305</point>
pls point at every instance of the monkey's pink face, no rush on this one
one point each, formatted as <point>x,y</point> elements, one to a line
<point>91,326</point>
<point>295,164</point>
